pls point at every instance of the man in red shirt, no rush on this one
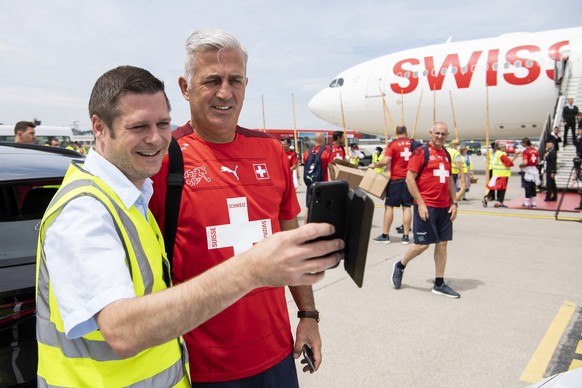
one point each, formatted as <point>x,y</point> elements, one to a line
<point>337,149</point>
<point>292,157</point>
<point>237,191</point>
<point>435,208</point>
<point>396,157</point>
<point>531,175</point>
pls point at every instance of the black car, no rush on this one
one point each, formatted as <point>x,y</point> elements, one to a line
<point>473,147</point>
<point>29,177</point>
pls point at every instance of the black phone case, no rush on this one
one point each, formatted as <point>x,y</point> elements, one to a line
<point>358,234</point>
<point>329,203</point>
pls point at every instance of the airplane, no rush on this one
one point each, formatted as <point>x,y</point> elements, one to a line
<point>514,79</point>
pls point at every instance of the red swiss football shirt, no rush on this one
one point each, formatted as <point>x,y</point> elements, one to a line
<point>400,152</point>
<point>433,182</point>
<point>233,197</point>
<point>530,157</point>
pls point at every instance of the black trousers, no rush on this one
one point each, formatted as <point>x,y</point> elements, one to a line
<point>551,188</point>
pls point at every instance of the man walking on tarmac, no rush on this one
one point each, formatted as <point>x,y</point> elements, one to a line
<point>396,158</point>
<point>435,208</point>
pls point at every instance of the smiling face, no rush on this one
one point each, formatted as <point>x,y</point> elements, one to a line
<point>438,134</point>
<point>139,137</point>
<point>215,93</point>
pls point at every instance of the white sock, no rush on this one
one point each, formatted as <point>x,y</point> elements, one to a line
<point>526,203</point>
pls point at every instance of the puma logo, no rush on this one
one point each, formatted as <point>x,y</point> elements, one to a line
<point>233,172</point>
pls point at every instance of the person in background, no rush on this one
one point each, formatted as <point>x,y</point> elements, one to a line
<point>467,169</point>
<point>355,155</point>
<point>569,113</point>
<point>292,157</point>
<point>376,157</point>
<point>555,138</point>
<point>238,192</point>
<point>531,177</point>
<point>24,132</point>
<point>396,161</point>
<point>54,142</point>
<point>107,314</point>
<point>435,209</point>
<point>550,159</point>
<point>500,176</point>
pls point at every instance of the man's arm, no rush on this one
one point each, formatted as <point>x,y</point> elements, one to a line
<point>308,328</point>
<point>132,325</point>
<point>453,207</point>
<point>415,193</point>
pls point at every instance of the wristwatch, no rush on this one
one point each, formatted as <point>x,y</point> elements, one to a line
<point>455,203</point>
<point>308,314</point>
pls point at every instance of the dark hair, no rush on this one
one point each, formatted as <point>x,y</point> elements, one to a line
<point>401,130</point>
<point>115,83</point>
<point>379,149</point>
<point>22,125</point>
<point>527,141</point>
<point>337,135</point>
<point>286,140</point>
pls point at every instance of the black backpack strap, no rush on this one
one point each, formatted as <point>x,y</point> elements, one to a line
<point>173,196</point>
<point>426,152</point>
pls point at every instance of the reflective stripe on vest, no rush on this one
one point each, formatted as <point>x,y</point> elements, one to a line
<point>89,360</point>
<point>499,169</point>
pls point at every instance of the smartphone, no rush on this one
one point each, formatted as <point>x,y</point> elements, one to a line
<point>329,203</point>
<point>308,357</point>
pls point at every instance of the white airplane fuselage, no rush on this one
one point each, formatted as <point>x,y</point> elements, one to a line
<point>510,79</point>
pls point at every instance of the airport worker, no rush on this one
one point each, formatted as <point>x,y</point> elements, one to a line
<point>501,173</point>
<point>106,314</point>
<point>377,156</point>
<point>456,162</point>
<point>24,132</point>
<point>551,159</point>
<point>569,113</point>
<point>293,160</point>
<point>435,208</point>
<point>396,160</point>
<point>467,169</point>
<point>355,155</point>
<point>244,194</point>
<point>531,176</point>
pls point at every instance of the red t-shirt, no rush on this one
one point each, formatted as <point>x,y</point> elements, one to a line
<point>234,195</point>
<point>400,152</point>
<point>325,158</point>
<point>292,156</point>
<point>433,182</point>
<point>530,156</point>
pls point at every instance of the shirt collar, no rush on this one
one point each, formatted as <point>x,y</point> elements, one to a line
<point>116,180</point>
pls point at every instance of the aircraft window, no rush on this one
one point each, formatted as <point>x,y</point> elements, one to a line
<point>336,83</point>
<point>454,69</point>
<point>407,74</point>
<point>529,63</point>
<point>464,69</point>
<point>424,73</point>
<point>506,65</point>
<point>415,74</point>
<point>518,64</point>
<point>495,66</point>
<point>444,71</point>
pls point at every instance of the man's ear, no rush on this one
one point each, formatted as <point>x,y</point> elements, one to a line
<point>183,84</point>
<point>98,127</point>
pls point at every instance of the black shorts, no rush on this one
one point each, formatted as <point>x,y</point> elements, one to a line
<point>397,194</point>
<point>438,227</point>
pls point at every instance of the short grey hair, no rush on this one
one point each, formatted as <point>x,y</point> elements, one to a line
<point>203,40</point>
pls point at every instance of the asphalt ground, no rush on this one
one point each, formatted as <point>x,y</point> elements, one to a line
<point>518,320</point>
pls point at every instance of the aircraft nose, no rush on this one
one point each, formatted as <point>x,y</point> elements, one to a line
<point>325,105</point>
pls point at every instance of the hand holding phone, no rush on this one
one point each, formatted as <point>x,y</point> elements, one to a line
<point>308,358</point>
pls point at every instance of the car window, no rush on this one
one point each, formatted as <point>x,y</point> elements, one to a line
<point>21,209</point>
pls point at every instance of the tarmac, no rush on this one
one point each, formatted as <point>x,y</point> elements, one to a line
<point>519,318</point>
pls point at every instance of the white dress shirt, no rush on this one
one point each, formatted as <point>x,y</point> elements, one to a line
<point>85,257</point>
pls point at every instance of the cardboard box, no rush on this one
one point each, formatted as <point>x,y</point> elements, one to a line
<point>374,183</point>
<point>353,175</point>
<point>332,168</point>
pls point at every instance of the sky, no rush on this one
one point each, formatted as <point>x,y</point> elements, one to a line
<point>52,52</point>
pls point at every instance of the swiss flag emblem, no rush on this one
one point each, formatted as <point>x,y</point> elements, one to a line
<point>261,171</point>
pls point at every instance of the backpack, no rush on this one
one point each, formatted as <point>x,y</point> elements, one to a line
<point>313,167</point>
<point>414,144</point>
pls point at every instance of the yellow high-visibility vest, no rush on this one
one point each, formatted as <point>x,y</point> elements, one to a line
<point>89,361</point>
